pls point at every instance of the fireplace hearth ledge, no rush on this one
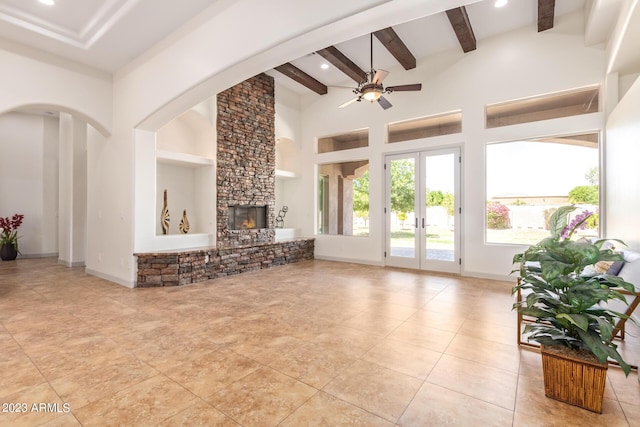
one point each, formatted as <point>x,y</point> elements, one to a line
<point>193,265</point>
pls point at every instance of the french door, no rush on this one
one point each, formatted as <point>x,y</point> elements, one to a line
<point>422,210</point>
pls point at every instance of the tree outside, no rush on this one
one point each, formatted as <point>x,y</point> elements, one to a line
<point>403,186</point>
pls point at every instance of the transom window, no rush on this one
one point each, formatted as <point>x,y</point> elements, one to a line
<point>425,127</point>
<point>543,107</point>
<point>344,141</point>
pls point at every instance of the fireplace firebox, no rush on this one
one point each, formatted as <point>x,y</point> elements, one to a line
<point>247,217</point>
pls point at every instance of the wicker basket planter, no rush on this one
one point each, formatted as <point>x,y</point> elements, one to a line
<point>574,378</point>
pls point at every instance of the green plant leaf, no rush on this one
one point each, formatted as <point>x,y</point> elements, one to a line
<point>599,242</point>
<point>536,312</point>
<point>618,282</point>
<point>605,326</point>
<point>594,344</point>
<point>558,220</point>
<point>580,320</point>
<point>551,270</point>
<point>582,253</point>
<point>602,351</point>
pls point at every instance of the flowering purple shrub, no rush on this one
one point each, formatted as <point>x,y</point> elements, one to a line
<point>498,216</point>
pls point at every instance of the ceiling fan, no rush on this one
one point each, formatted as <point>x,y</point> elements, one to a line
<point>372,89</point>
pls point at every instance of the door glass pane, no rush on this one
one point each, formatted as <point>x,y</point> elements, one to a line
<point>403,217</point>
<point>440,204</point>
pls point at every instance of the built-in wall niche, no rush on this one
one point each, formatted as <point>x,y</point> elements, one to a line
<point>287,186</point>
<point>191,134</point>
<point>189,188</point>
<point>185,168</point>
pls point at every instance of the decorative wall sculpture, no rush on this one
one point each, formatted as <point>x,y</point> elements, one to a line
<point>280,217</point>
<point>184,223</point>
<point>164,216</point>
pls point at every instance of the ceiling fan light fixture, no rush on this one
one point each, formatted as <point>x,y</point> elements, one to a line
<point>47,2</point>
<point>371,93</point>
<point>500,3</point>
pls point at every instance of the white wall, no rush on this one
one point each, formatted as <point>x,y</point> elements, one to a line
<point>517,64</point>
<point>50,172</point>
<point>29,180</point>
<point>622,179</point>
<point>31,78</point>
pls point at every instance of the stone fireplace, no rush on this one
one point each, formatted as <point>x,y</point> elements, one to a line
<point>245,183</point>
<point>246,162</point>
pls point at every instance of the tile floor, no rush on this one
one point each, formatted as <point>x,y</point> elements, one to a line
<point>313,343</point>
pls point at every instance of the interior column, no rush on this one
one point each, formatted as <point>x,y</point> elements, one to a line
<point>72,215</point>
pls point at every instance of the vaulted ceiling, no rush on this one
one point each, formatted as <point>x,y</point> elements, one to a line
<point>108,34</point>
<point>458,28</point>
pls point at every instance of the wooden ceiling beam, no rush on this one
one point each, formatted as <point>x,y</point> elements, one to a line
<point>462,27</point>
<point>396,47</point>
<point>301,77</point>
<point>546,11</point>
<point>342,63</point>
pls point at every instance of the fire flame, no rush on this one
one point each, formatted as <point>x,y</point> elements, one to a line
<point>249,223</point>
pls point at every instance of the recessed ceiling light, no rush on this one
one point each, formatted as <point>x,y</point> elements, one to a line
<point>324,66</point>
<point>47,2</point>
<point>500,3</point>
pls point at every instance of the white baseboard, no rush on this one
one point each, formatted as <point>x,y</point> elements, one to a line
<point>499,277</point>
<point>71,264</point>
<point>35,256</point>
<point>126,283</point>
<point>349,260</point>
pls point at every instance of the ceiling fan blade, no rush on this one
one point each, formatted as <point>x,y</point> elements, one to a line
<point>349,102</point>
<point>384,103</point>
<point>379,76</point>
<point>405,88</point>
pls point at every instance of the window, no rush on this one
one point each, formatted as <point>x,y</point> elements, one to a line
<point>527,180</point>
<point>343,198</point>
<point>425,127</point>
<point>345,141</point>
<point>543,107</point>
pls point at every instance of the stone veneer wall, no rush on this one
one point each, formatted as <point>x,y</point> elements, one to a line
<point>246,159</point>
<point>198,265</point>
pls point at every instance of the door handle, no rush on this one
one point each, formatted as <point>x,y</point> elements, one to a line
<point>422,222</point>
<point>416,222</point>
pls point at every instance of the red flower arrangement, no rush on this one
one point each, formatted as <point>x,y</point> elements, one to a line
<point>9,230</point>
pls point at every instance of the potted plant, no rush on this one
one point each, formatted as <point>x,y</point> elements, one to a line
<point>572,325</point>
<point>9,237</point>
